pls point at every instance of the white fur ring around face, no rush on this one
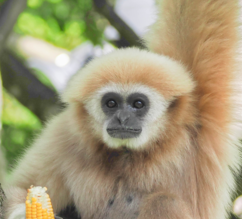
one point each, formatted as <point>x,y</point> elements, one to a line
<point>19,212</point>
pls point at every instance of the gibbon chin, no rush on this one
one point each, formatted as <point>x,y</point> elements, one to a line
<point>147,134</point>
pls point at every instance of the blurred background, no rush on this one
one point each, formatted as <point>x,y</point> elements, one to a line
<point>43,43</point>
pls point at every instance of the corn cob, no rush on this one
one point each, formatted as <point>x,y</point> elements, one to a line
<point>38,204</point>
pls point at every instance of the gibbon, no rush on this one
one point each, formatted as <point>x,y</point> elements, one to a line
<point>2,165</point>
<point>147,134</point>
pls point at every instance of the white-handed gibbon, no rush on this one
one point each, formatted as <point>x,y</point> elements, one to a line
<point>147,134</point>
<point>2,165</point>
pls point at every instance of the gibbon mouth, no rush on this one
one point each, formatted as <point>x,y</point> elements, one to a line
<point>124,133</point>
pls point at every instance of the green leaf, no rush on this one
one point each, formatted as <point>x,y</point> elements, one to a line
<point>34,3</point>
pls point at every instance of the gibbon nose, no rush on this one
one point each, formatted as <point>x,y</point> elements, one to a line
<point>123,117</point>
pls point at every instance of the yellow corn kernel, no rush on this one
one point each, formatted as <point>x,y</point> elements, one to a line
<point>39,216</point>
<point>38,204</point>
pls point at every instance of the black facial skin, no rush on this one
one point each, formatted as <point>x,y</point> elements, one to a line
<point>125,115</point>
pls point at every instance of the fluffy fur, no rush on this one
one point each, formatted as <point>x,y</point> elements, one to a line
<point>181,167</point>
<point>2,165</point>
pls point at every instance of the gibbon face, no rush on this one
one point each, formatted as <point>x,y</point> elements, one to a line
<point>124,114</point>
<point>127,115</point>
<point>127,95</point>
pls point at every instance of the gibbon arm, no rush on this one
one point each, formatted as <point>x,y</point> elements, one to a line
<point>203,35</point>
<point>41,166</point>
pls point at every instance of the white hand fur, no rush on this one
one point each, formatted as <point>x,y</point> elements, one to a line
<point>19,212</point>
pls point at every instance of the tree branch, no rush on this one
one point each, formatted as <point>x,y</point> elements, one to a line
<point>9,12</point>
<point>128,36</point>
<point>26,88</point>
<point>2,198</point>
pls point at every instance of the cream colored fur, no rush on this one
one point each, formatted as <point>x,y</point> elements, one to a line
<point>2,166</point>
<point>181,166</point>
<point>19,212</point>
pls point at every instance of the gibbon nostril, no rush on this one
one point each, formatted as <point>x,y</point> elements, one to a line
<point>123,117</point>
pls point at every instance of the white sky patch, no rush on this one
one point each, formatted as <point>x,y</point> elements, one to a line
<point>138,14</point>
<point>62,60</point>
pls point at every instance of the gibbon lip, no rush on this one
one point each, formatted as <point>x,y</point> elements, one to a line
<point>124,133</point>
<point>124,130</point>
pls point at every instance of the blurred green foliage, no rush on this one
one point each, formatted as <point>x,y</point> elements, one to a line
<point>19,127</point>
<point>43,78</point>
<point>64,23</point>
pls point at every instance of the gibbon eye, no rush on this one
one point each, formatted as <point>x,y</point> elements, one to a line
<point>138,104</point>
<point>111,104</point>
